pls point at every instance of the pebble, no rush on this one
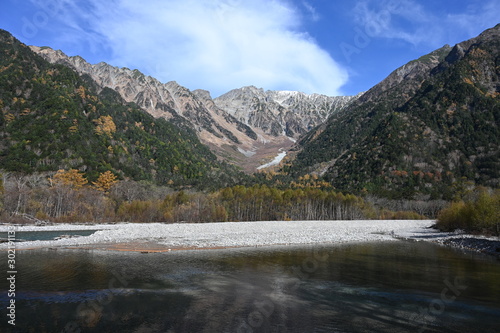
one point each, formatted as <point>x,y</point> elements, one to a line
<point>233,233</point>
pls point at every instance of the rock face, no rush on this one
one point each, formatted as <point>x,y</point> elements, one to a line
<point>245,126</point>
<point>278,113</point>
<point>160,100</point>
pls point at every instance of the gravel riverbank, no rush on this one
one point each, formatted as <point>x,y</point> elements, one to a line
<point>488,246</point>
<point>459,240</point>
<point>160,237</point>
<point>227,234</point>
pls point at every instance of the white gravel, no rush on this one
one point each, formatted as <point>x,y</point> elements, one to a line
<point>229,234</point>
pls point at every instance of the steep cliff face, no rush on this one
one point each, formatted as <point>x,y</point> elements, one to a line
<point>278,113</point>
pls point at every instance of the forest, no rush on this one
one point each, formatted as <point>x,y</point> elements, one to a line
<point>376,144</point>
<point>52,118</point>
<point>72,151</point>
<point>68,196</point>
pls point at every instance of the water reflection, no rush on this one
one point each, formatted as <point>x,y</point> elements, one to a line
<point>388,287</point>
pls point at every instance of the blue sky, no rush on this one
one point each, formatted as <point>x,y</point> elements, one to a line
<point>333,47</point>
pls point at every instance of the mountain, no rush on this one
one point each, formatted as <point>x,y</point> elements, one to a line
<point>170,100</point>
<point>289,113</point>
<point>221,124</point>
<point>429,129</point>
<point>54,118</point>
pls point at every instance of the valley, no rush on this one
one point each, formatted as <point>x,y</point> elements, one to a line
<point>446,101</point>
<point>246,127</point>
<point>250,166</point>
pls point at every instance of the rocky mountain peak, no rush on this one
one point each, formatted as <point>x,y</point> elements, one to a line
<point>247,126</point>
<point>203,94</point>
<point>288,113</point>
<point>248,143</point>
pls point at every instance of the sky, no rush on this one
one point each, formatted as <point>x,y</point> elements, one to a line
<point>331,47</point>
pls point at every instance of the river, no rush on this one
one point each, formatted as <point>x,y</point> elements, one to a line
<point>362,287</point>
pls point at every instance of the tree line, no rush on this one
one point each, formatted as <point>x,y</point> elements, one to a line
<point>67,196</point>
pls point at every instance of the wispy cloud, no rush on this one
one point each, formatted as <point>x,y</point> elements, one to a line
<point>479,15</point>
<point>413,22</point>
<point>313,13</point>
<point>217,45</point>
<point>393,19</point>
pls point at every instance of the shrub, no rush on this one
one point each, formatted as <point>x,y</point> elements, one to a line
<point>385,214</point>
<point>141,211</point>
<point>479,213</point>
<point>452,217</point>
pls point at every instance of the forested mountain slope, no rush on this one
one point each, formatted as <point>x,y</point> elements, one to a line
<point>245,127</point>
<point>429,129</point>
<point>53,118</point>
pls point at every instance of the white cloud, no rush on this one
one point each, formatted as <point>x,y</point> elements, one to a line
<point>211,44</point>
<point>480,15</point>
<point>415,23</point>
<point>391,19</point>
<point>311,10</point>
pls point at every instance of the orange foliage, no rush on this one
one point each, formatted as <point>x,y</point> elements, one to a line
<point>81,92</point>
<point>105,125</point>
<point>72,177</point>
<point>105,181</point>
<point>400,173</point>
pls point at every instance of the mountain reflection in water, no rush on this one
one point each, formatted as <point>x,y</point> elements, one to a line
<point>367,287</point>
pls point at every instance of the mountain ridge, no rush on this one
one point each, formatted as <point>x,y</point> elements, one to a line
<point>54,118</point>
<point>446,101</point>
<point>247,144</point>
<point>289,113</point>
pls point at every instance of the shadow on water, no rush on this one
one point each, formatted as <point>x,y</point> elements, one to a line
<point>383,287</point>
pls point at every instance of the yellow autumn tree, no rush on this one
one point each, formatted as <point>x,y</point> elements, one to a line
<point>72,177</point>
<point>105,181</point>
<point>81,92</point>
<point>105,125</point>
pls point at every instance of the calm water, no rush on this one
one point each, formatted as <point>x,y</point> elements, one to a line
<point>46,235</point>
<point>384,287</point>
